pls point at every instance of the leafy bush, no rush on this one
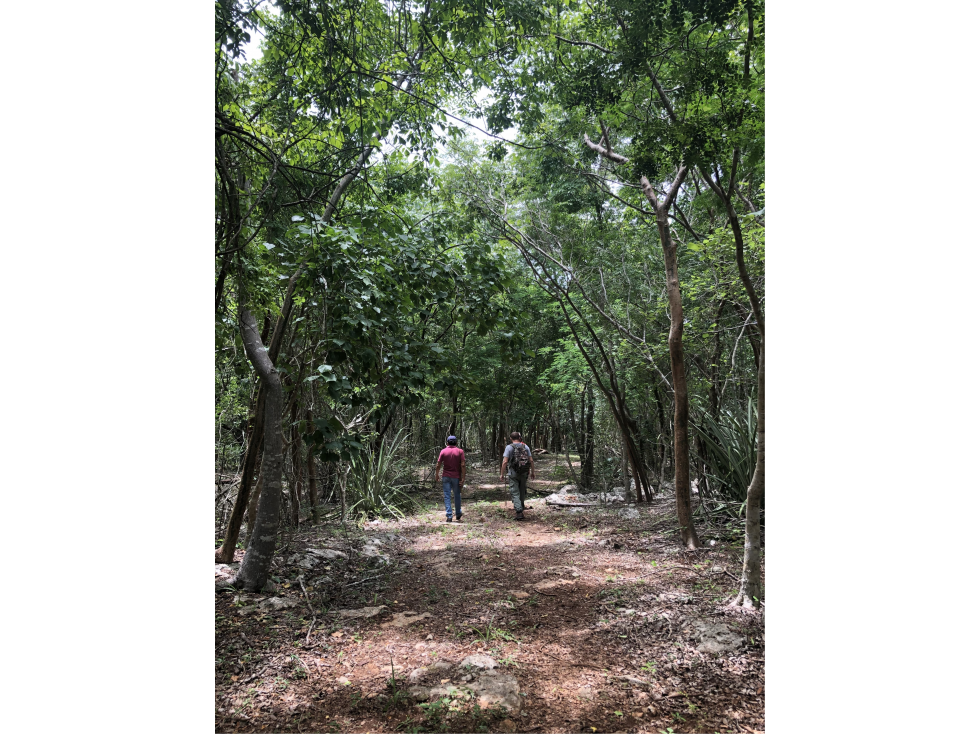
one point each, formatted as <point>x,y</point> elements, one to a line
<point>377,483</point>
<point>730,447</point>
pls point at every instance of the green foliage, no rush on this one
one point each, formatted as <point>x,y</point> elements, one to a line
<point>375,487</point>
<point>731,448</point>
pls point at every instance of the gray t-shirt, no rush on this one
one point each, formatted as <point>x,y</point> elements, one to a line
<point>508,454</point>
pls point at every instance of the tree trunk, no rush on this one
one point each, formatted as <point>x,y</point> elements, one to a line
<point>588,431</point>
<point>254,571</point>
<point>749,595</point>
<point>297,465</point>
<point>452,424</point>
<point>226,553</point>
<point>311,472</point>
<point>681,442</point>
<point>253,501</point>
<point>625,465</point>
<point>680,439</point>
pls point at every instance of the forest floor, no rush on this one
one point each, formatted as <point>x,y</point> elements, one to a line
<point>592,617</point>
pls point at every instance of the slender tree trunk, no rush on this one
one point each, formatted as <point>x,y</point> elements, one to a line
<point>681,441</point>
<point>749,593</point>
<point>245,499</point>
<point>311,472</point>
<point>588,422</point>
<point>254,570</point>
<point>297,465</point>
<point>625,465</point>
<point>452,423</point>
<point>680,438</point>
<point>226,553</point>
<point>660,439</point>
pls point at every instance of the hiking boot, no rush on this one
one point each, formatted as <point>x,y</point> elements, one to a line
<point>520,516</point>
<point>448,518</point>
<point>459,517</point>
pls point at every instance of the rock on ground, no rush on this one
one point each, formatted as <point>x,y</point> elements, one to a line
<point>478,674</point>
<point>327,553</point>
<point>714,637</point>
<point>493,688</point>
<point>274,604</point>
<point>222,570</point>
<point>363,613</point>
<point>481,662</point>
<point>403,619</point>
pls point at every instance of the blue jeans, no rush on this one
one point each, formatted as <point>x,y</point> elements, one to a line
<point>448,485</point>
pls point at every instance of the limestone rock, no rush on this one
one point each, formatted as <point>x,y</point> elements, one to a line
<point>545,585</point>
<point>403,619</point>
<point>363,613</point>
<point>417,674</point>
<point>493,688</point>
<point>277,603</point>
<point>714,637</point>
<point>567,500</point>
<point>325,553</point>
<point>222,570</point>
<point>481,662</point>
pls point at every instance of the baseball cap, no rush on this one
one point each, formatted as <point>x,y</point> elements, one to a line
<point>451,439</point>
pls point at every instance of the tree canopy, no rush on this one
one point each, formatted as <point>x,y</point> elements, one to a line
<point>453,218</point>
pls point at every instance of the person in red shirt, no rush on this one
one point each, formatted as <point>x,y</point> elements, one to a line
<point>453,477</point>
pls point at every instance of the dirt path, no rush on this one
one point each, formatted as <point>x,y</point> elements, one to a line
<point>597,617</point>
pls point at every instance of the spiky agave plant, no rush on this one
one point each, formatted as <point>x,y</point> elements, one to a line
<point>375,487</point>
<point>730,444</point>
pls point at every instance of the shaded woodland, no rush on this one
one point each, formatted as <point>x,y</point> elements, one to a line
<point>472,218</point>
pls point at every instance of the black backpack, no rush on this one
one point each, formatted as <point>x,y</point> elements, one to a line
<point>520,461</point>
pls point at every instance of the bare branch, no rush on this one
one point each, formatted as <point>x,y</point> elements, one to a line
<point>675,188</point>
<point>581,43</point>
<point>614,157</point>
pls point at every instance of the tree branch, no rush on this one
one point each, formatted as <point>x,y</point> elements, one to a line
<point>581,43</point>
<point>614,157</point>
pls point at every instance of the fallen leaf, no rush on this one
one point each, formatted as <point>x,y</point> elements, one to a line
<point>337,634</point>
<point>234,677</point>
<point>444,680</point>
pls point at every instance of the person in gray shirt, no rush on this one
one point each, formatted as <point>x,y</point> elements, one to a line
<point>518,463</point>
